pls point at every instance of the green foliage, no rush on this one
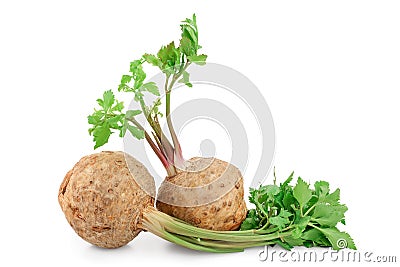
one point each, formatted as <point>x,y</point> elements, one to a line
<point>328,215</point>
<point>338,239</point>
<point>151,87</point>
<point>281,220</point>
<point>310,215</point>
<point>153,60</point>
<point>198,59</point>
<point>252,220</point>
<point>185,79</point>
<point>154,109</point>
<point>173,61</point>
<point>302,192</point>
<point>190,36</point>
<point>170,57</point>
<point>134,82</point>
<point>186,46</point>
<point>109,117</point>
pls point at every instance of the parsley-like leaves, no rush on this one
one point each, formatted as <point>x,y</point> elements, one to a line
<point>109,117</point>
<point>303,215</point>
<point>174,62</point>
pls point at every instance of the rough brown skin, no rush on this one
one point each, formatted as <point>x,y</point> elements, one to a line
<point>207,201</point>
<point>102,199</point>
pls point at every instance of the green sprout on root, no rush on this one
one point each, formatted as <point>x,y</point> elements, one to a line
<point>173,61</point>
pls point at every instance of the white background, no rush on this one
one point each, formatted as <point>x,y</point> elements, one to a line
<point>329,70</point>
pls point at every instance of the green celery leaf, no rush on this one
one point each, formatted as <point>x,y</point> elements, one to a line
<point>198,59</point>
<point>248,224</point>
<point>323,242</point>
<point>114,122</point>
<point>312,234</point>
<point>109,117</point>
<point>139,77</point>
<point>119,106</point>
<point>137,133</point>
<point>287,181</point>
<point>151,87</point>
<point>135,65</point>
<point>170,58</point>
<point>321,188</point>
<point>185,79</point>
<point>95,118</point>
<point>314,199</point>
<point>328,215</point>
<point>122,130</point>
<point>333,198</point>
<point>101,135</point>
<point>338,240</point>
<point>282,219</point>
<point>288,200</point>
<point>189,31</point>
<point>284,245</point>
<point>152,59</point>
<point>252,195</point>
<point>108,99</point>
<point>285,214</point>
<point>267,193</point>
<point>293,241</point>
<point>315,238</point>
<point>302,192</point>
<point>124,88</point>
<point>251,222</point>
<point>300,225</point>
<point>272,190</point>
<point>132,113</point>
<point>186,46</point>
<point>126,79</point>
<point>279,221</point>
<point>100,102</point>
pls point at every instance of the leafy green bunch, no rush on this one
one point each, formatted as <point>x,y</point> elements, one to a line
<point>110,116</point>
<point>173,61</point>
<point>303,215</point>
<point>284,214</point>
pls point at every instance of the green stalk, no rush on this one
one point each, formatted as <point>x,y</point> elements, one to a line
<point>167,149</point>
<point>178,150</point>
<point>179,160</point>
<point>156,227</point>
<point>222,244</point>
<point>310,209</point>
<point>189,236</point>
